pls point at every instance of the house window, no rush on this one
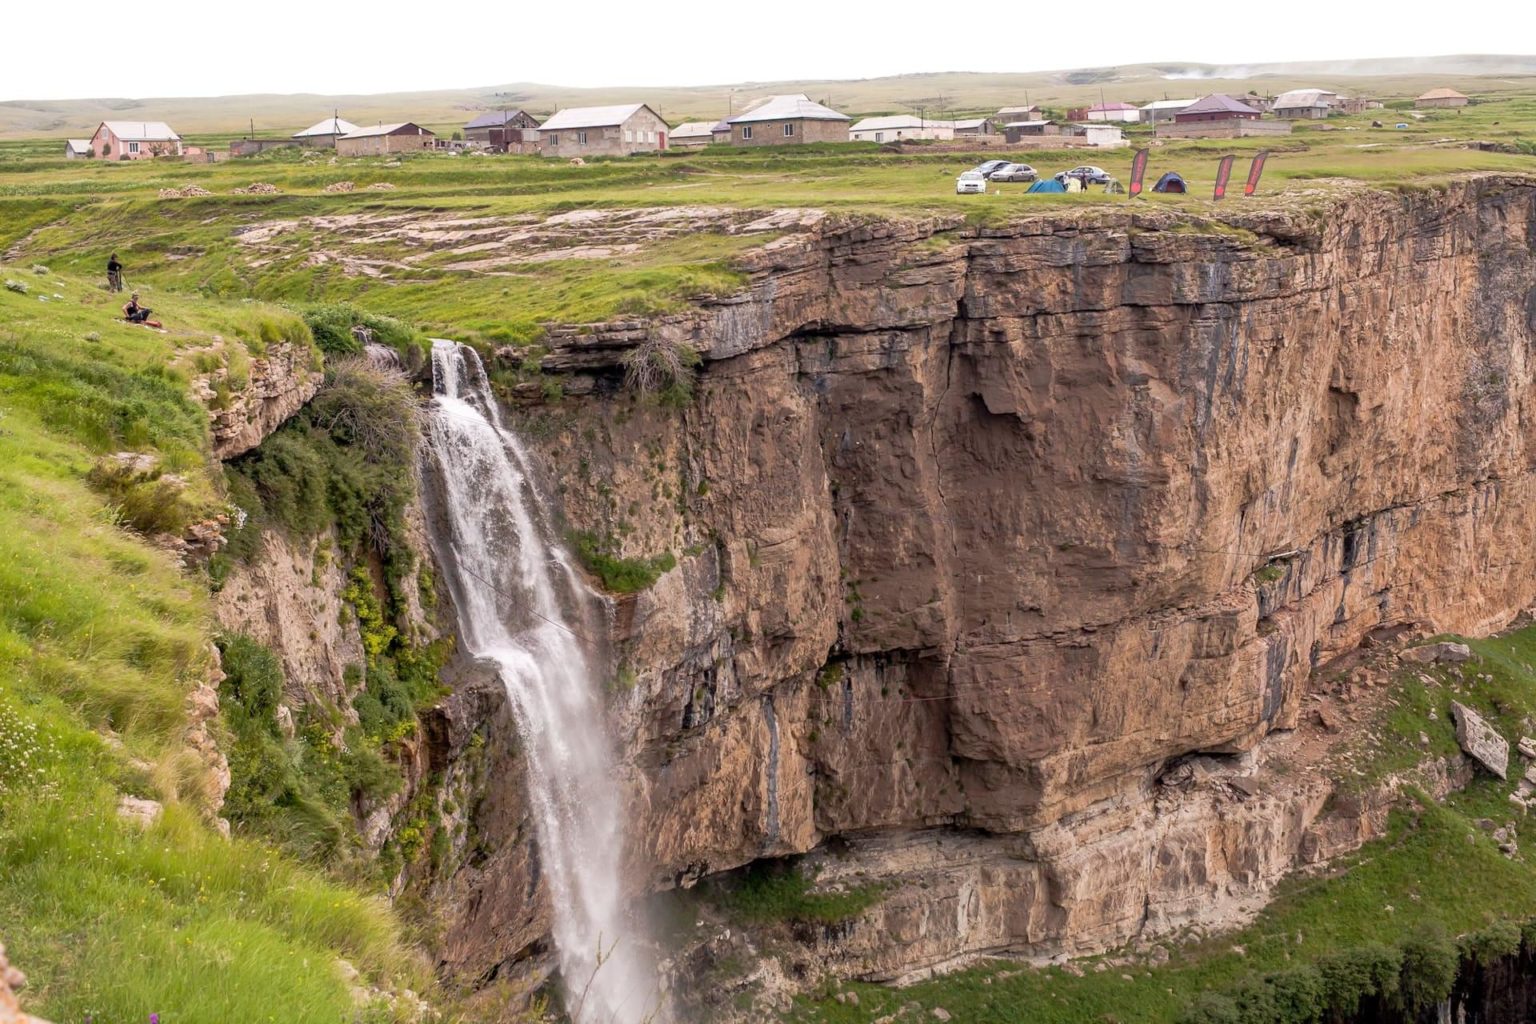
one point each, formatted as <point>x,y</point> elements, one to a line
<point>629,135</point>
<point>879,136</point>
<point>133,147</point>
<point>789,130</point>
<point>746,131</point>
<point>554,138</point>
<point>581,138</point>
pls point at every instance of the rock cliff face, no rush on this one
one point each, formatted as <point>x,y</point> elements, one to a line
<point>278,384</point>
<point>981,529</point>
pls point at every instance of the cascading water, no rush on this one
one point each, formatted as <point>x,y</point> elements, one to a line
<point>516,594</point>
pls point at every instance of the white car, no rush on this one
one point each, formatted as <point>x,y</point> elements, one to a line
<point>971,183</point>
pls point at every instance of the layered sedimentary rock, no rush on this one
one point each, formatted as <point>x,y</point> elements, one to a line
<point>279,382</point>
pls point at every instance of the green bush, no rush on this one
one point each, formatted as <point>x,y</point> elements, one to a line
<point>778,891</point>
<point>619,575</point>
<point>1495,942</point>
<point>1430,964</point>
<point>336,327</point>
<point>145,500</point>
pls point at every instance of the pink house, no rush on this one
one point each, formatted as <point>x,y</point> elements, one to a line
<point>134,140</point>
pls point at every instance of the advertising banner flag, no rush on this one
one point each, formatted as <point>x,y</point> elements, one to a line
<point>1254,172</point>
<point>1138,171</point>
<point>1223,173</point>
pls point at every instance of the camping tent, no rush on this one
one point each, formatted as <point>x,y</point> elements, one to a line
<point>1047,185</point>
<point>1170,182</point>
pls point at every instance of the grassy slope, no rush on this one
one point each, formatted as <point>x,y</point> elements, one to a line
<point>1436,865</point>
<point>101,639</point>
<point>447,109</point>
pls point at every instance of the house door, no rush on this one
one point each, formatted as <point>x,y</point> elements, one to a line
<point>661,140</point>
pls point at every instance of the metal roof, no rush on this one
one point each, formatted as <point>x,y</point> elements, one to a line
<point>384,129</point>
<point>142,131</point>
<point>693,130</point>
<point>798,107</point>
<point>970,122</point>
<point>897,121</point>
<point>1168,104</point>
<point>1106,107</point>
<point>1218,102</point>
<point>330,126</point>
<point>593,117</point>
<point>78,145</point>
<point>1303,98</point>
<point>1027,124</point>
<point>1005,111</point>
<point>496,118</point>
<point>1443,94</point>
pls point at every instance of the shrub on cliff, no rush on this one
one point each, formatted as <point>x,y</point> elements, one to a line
<point>341,329</point>
<point>1430,964</point>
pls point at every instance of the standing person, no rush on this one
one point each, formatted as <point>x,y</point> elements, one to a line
<point>114,274</point>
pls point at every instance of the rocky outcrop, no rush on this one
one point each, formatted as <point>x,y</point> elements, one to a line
<point>277,385</point>
<point>981,529</point>
<point>1480,740</point>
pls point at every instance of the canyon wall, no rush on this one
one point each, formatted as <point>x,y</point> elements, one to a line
<point>979,529</point>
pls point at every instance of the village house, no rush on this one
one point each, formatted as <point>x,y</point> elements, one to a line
<point>1107,136</point>
<point>503,131</point>
<point>604,131</point>
<point>1015,131</point>
<point>1441,98</point>
<point>385,139</point>
<point>77,149</point>
<point>253,147</point>
<point>788,121</point>
<point>900,127</point>
<point>693,134</point>
<point>975,126</point>
<point>134,140</point>
<point>323,134</point>
<point>1305,104</point>
<point>1124,113</point>
<point>1005,115</point>
<point>1162,110</point>
<point>1218,106</point>
<point>721,132</point>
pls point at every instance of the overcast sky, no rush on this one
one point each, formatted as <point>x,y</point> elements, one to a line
<point>90,48</point>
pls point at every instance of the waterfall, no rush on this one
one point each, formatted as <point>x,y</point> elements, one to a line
<point>518,603</point>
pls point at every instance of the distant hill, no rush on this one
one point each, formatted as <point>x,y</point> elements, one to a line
<point>936,93</point>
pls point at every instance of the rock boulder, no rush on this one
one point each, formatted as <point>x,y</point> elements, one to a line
<point>1480,741</point>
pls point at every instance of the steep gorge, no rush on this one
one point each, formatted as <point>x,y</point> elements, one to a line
<point>982,529</point>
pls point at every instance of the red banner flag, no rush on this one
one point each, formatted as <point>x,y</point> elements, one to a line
<point>1254,172</point>
<point>1223,172</point>
<point>1138,171</point>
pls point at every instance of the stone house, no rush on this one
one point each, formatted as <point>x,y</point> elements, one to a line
<point>1029,112</point>
<point>1305,104</point>
<point>604,131</point>
<point>134,140</point>
<point>788,121</point>
<point>385,139</point>
<point>323,134</point>
<point>1441,98</point>
<point>1015,131</point>
<point>975,126</point>
<point>503,131</point>
<point>77,149</point>
<point>1114,113</point>
<point>1162,110</point>
<point>1218,106</point>
<point>692,134</point>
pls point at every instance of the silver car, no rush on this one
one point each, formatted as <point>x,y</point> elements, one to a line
<point>971,183</point>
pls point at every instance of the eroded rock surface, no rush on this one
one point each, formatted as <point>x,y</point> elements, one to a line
<point>980,530</point>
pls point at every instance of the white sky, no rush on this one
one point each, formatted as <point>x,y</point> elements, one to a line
<point>91,48</point>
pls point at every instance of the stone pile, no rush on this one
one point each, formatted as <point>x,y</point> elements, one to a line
<point>185,192</point>
<point>258,188</point>
<point>340,186</point>
<point>381,186</point>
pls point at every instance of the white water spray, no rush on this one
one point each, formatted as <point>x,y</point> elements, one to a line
<point>515,595</point>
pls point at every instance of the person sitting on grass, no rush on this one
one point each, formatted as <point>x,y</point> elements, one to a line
<point>137,314</point>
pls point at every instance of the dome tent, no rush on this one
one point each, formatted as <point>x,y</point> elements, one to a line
<point>1046,185</point>
<point>1171,182</point>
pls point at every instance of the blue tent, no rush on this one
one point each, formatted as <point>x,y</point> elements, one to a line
<point>1047,185</point>
<point>1170,182</point>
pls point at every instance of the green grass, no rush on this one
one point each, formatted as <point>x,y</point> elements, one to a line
<point>102,638</point>
<point>768,892</point>
<point>619,575</point>
<point>1435,869</point>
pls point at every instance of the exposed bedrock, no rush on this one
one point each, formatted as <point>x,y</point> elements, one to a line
<point>978,528</point>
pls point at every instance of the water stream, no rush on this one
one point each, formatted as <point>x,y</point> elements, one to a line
<point>519,606</point>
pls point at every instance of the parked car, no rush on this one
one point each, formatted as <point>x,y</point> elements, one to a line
<point>1014,172</point>
<point>971,182</point>
<point>989,166</point>
<point>1087,174</point>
